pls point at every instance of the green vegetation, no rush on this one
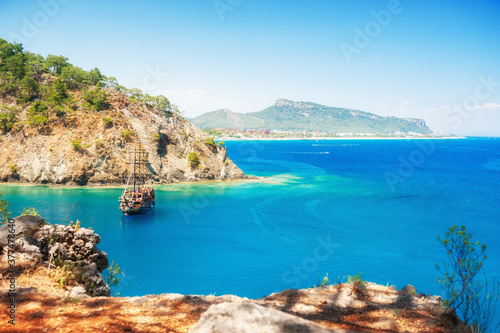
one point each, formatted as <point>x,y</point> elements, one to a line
<point>4,210</point>
<point>96,99</point>
<point>50,88</point>
<point>305,116</point>
<point>75,226</point>
<point>126,134</point>
<point>12,168</point>
<point>29,212</point>
<point>108,122</point>
<point>76,145</point>
<point>465,292</point>
<point>8,117</point>
<point>193,160</point>
<point>358,278</point>
<point>323,281</point>
<point>156,136</point>
<point>112,276</point>
<point>99,143</point>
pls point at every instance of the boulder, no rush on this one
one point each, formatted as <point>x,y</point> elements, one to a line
<point>253,318</point>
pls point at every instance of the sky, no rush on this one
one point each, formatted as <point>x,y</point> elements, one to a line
<point>435,60</point>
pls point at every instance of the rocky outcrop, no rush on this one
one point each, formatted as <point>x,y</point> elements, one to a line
<point>71,249</point>
<point>93,148</point>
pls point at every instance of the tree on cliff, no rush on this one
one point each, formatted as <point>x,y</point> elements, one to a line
<point>465,292</point>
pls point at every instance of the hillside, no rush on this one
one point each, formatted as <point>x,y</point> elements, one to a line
<point>61,124</point>
<point>287,115</point>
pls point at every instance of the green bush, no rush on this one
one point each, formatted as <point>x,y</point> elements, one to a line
<point>4,210</point>
<point>358,278</point>
<point>96,99</point>
<point>107,121</point>
<point>76,144</point>
<point>126,134</point>
<point>156,136</point>
<point>193,160</point>
<point>99,143</point>
<point>112,276</point>
<point>12,168</point>
<point>8,117</point>
<point>29,212</point>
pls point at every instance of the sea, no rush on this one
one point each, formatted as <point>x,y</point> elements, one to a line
<point>325,207</point>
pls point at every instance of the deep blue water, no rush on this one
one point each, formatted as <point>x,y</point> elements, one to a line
<point>376,214</point>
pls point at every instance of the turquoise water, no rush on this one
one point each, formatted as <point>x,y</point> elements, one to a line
<point>338,207</point>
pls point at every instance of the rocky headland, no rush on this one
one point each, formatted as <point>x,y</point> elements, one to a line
<point>87,150</point>
<point>45,254</point>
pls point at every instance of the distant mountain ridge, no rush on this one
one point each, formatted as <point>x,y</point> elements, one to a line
<point>288,115</point>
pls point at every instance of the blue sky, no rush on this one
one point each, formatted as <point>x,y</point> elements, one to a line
<point>436,60</point>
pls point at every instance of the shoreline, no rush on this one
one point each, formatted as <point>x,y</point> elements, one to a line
<point>249,179</point>
<point>331,138</point>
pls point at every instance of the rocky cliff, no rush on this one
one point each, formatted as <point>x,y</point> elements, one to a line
<point>88,148</point>
<point>70,251</point>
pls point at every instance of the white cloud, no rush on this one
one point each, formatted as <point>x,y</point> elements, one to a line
<point>195,102</point>
<point>385,104</point>
<point>405,102</point>
<point>489,106</point>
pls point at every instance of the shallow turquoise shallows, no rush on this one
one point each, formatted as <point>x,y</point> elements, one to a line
<point>339,207</point>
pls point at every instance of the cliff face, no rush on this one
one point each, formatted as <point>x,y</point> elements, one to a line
<point>88,148</point>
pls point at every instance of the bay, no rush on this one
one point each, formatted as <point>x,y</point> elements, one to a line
<point>331,206</point>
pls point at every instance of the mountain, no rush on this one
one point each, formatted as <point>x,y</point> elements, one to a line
<point>60,124</point>
<point>305,116</point>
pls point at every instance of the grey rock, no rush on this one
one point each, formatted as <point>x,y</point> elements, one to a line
<point>252,318</point>
<point>408,289</point>
<point>37,242</point>
<point>385,324</point>
<point>78,292</point>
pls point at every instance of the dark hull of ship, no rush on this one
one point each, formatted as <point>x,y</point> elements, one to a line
<point>137,211</point>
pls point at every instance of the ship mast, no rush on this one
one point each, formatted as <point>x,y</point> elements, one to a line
<point>139,167</point>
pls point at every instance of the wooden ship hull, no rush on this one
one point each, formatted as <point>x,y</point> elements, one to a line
<point>139,198</point>
<point>138,202</point>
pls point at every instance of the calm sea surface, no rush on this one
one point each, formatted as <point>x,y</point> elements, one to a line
<point>339,207</point>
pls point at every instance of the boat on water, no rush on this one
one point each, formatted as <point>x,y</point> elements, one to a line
<point>137,197</point>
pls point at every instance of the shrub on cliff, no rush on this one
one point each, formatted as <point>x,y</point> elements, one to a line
<point>193,160</point>
<point>126,134</point>
<point>107,122</point>
<point>4,210</point>
<point>465,293</point>
<point>8,117</point>
<point>76,144</point>
<point>96,99</point>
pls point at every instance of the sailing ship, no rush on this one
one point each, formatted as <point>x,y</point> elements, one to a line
<point>137,198</point>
